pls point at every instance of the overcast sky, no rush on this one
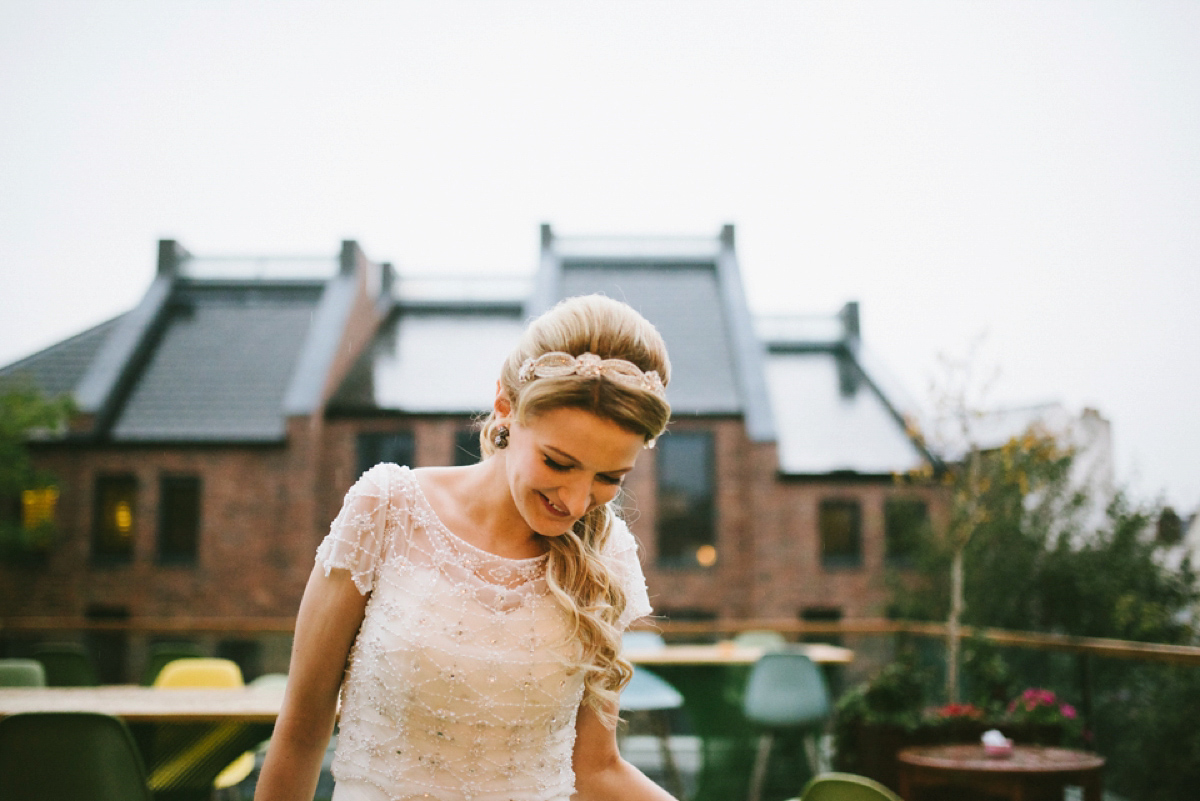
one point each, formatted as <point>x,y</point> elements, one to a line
<point>1025,172</point>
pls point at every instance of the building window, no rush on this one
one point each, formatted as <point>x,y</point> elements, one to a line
<point>686,524</point>
<point>466,447</point>
<point>38,508</point>
<point>905,522</point>
<point>398,447</point>
<point>114,516</point>
<point>178,519</point>
<point>841,532</point>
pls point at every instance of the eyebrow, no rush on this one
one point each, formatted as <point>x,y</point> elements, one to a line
<point>575,462</point>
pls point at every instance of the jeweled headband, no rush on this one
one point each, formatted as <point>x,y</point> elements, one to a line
<point>589,365</point>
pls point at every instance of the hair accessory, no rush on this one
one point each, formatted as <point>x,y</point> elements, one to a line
<point>500,438</point>
<point>589,365</point>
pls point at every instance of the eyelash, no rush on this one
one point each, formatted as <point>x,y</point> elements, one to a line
<point>562,468</point>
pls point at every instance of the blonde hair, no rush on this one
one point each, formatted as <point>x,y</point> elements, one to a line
<point>576,574</point>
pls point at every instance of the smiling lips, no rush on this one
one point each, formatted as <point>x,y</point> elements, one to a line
<point>550,507</point>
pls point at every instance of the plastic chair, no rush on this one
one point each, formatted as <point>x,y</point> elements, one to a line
<point>203,672</point>
<point>642,641</point>
<point>761,638</point>
<point>22,673</point>
<point>846,787</point>
<point>654,696</point>
<point>69,756</point>
<point>163,653</point>
<point>67,664</point>
<point>785,691</point>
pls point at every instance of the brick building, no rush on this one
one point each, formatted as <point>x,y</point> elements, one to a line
<point>222,419</point>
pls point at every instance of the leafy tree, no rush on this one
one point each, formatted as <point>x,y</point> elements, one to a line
<point>24,413</point>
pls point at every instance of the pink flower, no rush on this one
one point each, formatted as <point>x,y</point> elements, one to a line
<point>1068,711</point>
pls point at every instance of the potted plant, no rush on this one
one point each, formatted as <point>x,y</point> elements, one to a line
<point>1038,716</point>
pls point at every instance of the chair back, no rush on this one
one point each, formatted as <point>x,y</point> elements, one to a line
<point>761,638</point>
<point>642,641</point>
<point>67,664</point>
<point>846,787</point>
<point>646,691</point>
<point>200,672</point>
<point>786,690</point>
<point>69,756</point>
<point>163,653</point>
<point>22,673</point>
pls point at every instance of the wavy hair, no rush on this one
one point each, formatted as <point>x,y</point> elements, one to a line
<point>578,578</point>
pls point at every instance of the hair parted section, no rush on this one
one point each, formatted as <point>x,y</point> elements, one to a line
<point>576,574</point>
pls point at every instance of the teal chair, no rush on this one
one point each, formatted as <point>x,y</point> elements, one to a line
<point>69,756</point>
<point>22,673</point>
<point>67,664</point>
<point>846,787</point>
<point>761,638</point>
<point>785,691</point>
<point>654,697</point>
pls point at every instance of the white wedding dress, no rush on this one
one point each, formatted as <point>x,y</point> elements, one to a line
<point>461,685</point>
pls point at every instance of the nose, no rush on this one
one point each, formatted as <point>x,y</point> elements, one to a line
<point>576,496</point>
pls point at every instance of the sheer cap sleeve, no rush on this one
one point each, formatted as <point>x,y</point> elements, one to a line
<point>621,554</point>
<point>356,537</point>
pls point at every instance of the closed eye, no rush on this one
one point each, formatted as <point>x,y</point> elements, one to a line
<point>556,466</point>
<point>614,480</point>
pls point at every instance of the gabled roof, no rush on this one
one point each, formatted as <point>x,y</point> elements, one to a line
<point>206,357</point>
<point>831,413</point>
<point>690,288</point>
<point>58,369</point>
<point>222,364</point>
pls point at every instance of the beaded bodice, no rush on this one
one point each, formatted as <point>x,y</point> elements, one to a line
<point>461,683</point>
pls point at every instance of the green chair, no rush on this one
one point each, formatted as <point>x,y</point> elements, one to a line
<point>69,756</point>
<point>786,691</point>
<point>67,664</point>
<point>22,673</point>
<point>163,653</point>
<point>846,787</point>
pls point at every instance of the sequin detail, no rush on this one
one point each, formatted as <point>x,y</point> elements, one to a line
<point>460,683</point>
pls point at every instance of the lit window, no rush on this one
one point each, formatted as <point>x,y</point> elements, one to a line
<point>38,507</point>
<point>114,519</point>
<point>841,532</point>
<point>686,525</point>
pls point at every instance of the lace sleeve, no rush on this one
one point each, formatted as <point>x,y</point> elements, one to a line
<point>622,556</point>
<point>356,536</point>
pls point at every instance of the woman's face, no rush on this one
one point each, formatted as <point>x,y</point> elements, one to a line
<point>565,462</point>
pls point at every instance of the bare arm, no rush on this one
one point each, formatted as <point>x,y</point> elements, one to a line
<point>600,772</point>
<point>330,615</point>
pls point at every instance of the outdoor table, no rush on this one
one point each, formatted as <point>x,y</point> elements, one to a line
<point>712,678</point>
<point>186,736</point>
<point>1031,772</point>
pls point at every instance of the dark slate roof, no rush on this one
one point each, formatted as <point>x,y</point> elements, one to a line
<point>222,364</point>
<point>58,369</point>
<point>684,302</point>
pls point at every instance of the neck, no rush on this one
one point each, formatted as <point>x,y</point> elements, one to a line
<point>487,505</point>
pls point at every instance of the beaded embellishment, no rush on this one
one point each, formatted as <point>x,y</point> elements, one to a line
<point>557,363</point>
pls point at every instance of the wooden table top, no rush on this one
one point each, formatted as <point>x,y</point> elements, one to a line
<point>728,653</point>
<point>1024,759</point>
<point>149,704</point>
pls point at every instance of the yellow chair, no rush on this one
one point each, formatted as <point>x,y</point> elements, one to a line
<point>204,672</point>
<point>200,671</point>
